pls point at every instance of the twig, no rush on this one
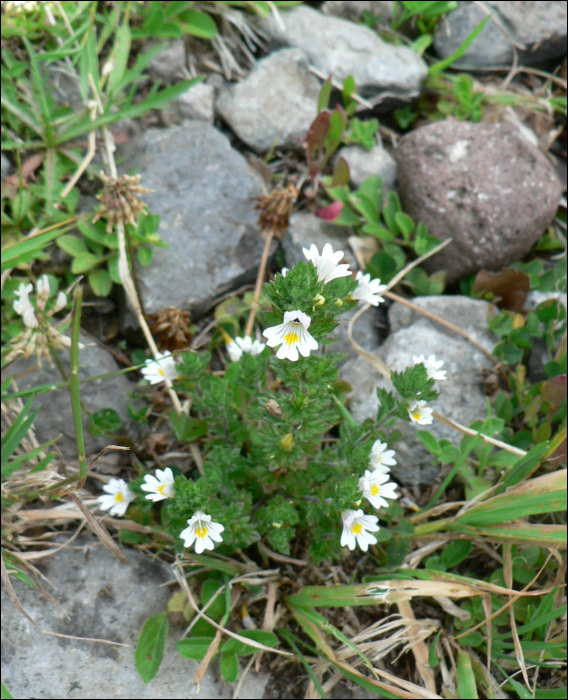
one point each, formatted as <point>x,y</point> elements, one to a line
<point>442,322</point>
<point>259,279</point>
<point>418,647</point>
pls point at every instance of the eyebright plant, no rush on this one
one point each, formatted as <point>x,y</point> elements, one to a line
<point>283,460</point>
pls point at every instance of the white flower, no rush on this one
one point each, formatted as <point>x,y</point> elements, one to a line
<point>60,302</point>
<point>292,335</point>
<point>432,367</point>
<point>42,288</point>
<point>160,369</point>
<point>284,271</point>
<point>376,487</point>
<point>420,413</point>
<point>381,458</point>
<point>24,306</point>
<point>327,264</point>
<point>160,486</point>
<point>119,499</point>
<point>368,290</point>
<point>239,345</point>
<point>357,528</point>
<point>201,531</point>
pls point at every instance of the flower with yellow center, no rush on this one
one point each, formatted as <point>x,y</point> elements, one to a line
<point>357,529</point>
<point>202,531</point>
<point>160,369</point>
<point>381,458</point>
<point>420,413</point>
<point>292,336</point>
<point>433,370</point>
<point>118,499</point>
<point>376,487</point>
<point>238,346</point>
<point>160,486</point>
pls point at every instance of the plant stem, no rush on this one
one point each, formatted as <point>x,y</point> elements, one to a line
<point>74,389</point>
<point>259,279</point>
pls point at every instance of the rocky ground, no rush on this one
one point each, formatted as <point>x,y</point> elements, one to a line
<point>487,185</point>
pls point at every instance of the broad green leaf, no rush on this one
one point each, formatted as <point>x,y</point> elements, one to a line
<point>198,24</point>
<point>84,262</point>
<point>194,648</point>
<point>429,441</point>
<point>242,649</point>
<point>151,645</point>
<point>365,206</point>
<point>455,553</point>
<point>72,245</point>
<point>100,282</point>
<point>379,232</point>
<point>229,666</point>
<point>466,679</point>
<point>145,255</point>
<point>405,224</point>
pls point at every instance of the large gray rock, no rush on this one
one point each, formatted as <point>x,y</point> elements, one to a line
<point>305,229</point>
<point>539,27</point>
<point>275,104</point>
<point>348,9</point>
<point>204,192</point>
<point>55,416</point>
<point>461,395</point>
<point>362,164</point>
<point>482,185</point>
<point>340,48</point>
<point>106,600</point>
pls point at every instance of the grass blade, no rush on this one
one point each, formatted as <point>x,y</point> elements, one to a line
<point>74,385</point>
<point>447,62</point>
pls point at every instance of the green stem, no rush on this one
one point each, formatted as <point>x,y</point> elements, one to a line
<point>74,384</point>
<point>434,526</point>
<point>452,473</point>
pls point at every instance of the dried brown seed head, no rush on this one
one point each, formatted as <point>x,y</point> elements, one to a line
<point>276,208</point>
<point>119,202</point>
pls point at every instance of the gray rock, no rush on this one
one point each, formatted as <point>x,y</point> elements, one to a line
<point>340,48</point>
<point>461,395</point>
<point>305,229</point>
<point>63,85</point>
<point>362,164</point>
<point>365,333</point>
<point>169,65</point>
<point>197,103</point>
<point>490,48</point>
<point>106,600</point>
<point>539,27</point>
<point>348,9</point>
<point>204,193</point>
<point>55,416</point>
<point>482,185</point>
<point>275,104</point>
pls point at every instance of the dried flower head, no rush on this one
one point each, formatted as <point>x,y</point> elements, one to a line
<point>172,326</point>
<point>119,202</point>
<point>276,208</point>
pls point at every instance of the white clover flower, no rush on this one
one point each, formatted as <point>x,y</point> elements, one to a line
<point>160,486</point>
<point>119,498</point>
<point>284,271</point>
<point>292,335</point>
<point>327,264</point>
<point>368,290</point>
<point>381,458</point>
<point>24,307</point>
<point>42,288</point>
<point>60,302</point>
<point>376,487</point>
<point>160,369</point>
<point>201,531</point>
<point>420,413</point>
<point>239,345</point>
<point>432,367</point>
<point>357,528</point>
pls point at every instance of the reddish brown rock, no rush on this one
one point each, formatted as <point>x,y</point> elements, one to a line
<point>480,184</point>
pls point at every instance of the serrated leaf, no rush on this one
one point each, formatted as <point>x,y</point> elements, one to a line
<point>150,648</point>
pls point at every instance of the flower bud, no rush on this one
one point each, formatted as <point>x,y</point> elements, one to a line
<point>319,300</point>
<point>60,303</point>
<point>287,442</point>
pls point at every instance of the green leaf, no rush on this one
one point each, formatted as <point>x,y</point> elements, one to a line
<point>113,269</point>
<point>121,53</point>
<point>382,266</point>
<point>84,262</point>
<point>6,695</point>
<point>194,648</point>
<point>525,466</point>
<point>405,224</point>
<point>429,441</point>
<point>72,245</point>
<point>145,255</point>
<point>151,645</point>
<point>447,62</point>
<point>466,678</point>
<point>379,232</point>
<point>105,422</point>
<point>100,282</point>
<point>364,205</point>
<point>455,553</point>
<point>242,649</point>
<point>433,659</point>
<point>324,95</point>
<point>372,188</point>
<point>423,243</point>
<point>198,24</point>
<point>229,666</point>
<point>188,429</point>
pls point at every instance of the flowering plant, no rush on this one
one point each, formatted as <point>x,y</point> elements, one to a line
<point>269,470</point>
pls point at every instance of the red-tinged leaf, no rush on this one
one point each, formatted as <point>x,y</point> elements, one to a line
<point>554,391</point>
<point>331,212</point>
<point>315,140</point>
